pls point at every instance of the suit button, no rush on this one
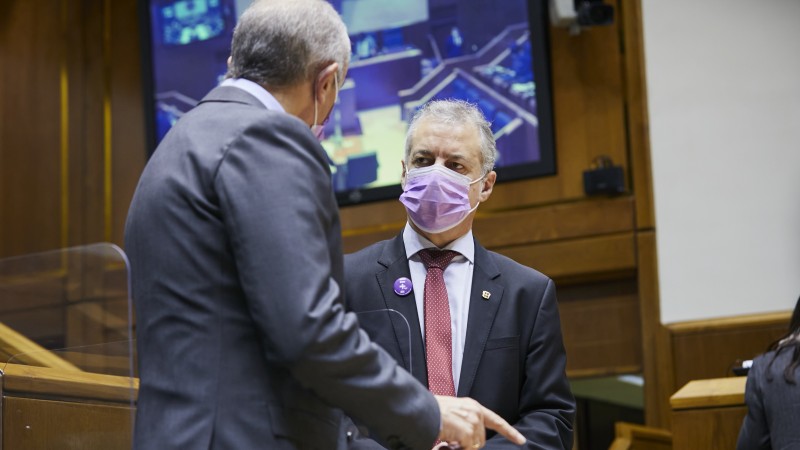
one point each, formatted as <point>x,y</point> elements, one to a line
<point>349,436</point>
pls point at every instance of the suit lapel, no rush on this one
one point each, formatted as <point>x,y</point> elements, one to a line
<point>413,352</point>
<point>482,312</point>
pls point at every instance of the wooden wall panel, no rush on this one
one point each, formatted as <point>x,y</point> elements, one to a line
<point>600,323</point>
<point>33,424</point>
<point>31,198</point>
<point>592,217</point>
<point>72,102</point>
<point>637,118</point>
<point>127,133</point>
<point>657,362</point>
<point>578,259</point>
<point>708,348</point>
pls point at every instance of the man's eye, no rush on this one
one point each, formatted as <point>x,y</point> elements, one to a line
<point>421,161</point>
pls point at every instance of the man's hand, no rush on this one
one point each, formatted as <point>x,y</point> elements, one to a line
<point>464,422</point>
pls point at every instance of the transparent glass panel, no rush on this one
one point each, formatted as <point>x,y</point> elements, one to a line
<point>66,346</point>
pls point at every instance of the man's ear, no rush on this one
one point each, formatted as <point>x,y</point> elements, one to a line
<point>325,82</point>
<point>403,173</point>
<point>230,60</point>
<point>488,186</point>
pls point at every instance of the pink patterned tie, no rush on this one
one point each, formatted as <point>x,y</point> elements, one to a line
<point>438,332</point>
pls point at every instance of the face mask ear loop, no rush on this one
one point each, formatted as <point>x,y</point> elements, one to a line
<point>315,109</point>
<point>336,85</point>
<point>479,201</point>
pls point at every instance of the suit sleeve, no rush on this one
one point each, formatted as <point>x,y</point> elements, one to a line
<point>275,193</point>
<point>754,434</point>
<point>547,406</point>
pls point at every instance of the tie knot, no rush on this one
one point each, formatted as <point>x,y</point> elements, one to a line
<point>433,257</point>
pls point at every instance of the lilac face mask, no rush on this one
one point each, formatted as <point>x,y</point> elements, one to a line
<point>437,198</point>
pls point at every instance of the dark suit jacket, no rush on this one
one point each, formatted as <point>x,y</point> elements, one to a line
<point>234,241</point>
<point>514,359</point>
<point>773,407</point>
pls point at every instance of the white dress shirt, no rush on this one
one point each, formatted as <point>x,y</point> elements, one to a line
<point>457,279</point>
<point>257,91</point>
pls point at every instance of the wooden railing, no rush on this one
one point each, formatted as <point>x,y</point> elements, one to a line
<point>629,436</point>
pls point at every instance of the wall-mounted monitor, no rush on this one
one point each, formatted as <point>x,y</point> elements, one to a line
<point>491,53</point>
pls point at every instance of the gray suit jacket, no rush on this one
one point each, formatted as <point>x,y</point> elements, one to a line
<point>514,360</point>
<point>773,407</point>
<point>234,241</point>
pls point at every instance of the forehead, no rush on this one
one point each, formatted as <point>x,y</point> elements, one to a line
<point>446,139</point>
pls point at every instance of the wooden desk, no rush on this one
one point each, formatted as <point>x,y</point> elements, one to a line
<point>707,414</point>
<point>44,408</point>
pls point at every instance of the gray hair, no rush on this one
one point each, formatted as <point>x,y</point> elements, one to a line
<point>278,43</point>
<point>453,111</point>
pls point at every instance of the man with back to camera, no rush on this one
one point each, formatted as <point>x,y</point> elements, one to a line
<point>481,325</point>
<point>234,241</point>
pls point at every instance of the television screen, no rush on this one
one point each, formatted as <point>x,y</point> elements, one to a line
<point>405,53</point>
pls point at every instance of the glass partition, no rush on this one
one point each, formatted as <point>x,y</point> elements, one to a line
<point>66,347</point>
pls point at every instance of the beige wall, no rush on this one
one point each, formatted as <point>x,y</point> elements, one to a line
<point>724,107</point>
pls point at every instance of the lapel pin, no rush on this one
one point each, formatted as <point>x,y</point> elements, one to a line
<point>486,295</point>
<point>402,286</point>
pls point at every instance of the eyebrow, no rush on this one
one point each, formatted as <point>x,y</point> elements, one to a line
<point>424,152</point>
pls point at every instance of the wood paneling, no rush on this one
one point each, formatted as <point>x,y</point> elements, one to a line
<point>591,217</point>
<point>709,348</point>
<point>709,429</point>
<point>127,133</point>
<point>584,218</point>
<point>72,144</point>
<point>707,414</point>
<point>637,120</point>
<point>30,148</point>
<point>577,259</point>
<point>600,323</point>
<point>35,424</point>
<point>657,363</point>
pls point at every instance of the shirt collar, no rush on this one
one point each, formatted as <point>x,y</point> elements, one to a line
<point>257,91</point>
<point>414,242</point>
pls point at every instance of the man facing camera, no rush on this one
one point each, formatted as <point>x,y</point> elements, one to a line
<point>236,267</point>
<point>481,325</point>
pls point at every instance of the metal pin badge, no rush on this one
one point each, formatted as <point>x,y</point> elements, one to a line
<point>403,286</point>
<point>486,295</point>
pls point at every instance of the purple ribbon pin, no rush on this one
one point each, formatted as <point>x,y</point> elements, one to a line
<point>402,286</point>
